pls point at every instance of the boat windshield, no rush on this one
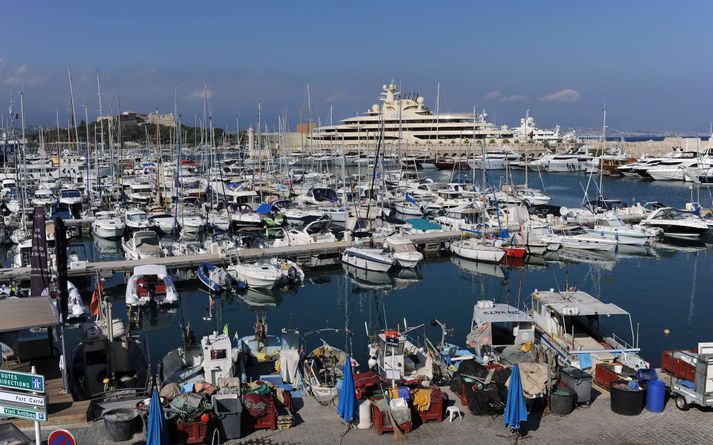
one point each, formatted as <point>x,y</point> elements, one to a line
<point>71,194</point>
<point>137,217</point>
<point>397,248</point>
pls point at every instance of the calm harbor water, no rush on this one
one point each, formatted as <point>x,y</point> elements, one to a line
<point>667,286</point>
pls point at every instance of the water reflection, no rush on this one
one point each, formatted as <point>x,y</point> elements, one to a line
<point>363,279</point>
<point>260,298</point>
<point>478,268</point>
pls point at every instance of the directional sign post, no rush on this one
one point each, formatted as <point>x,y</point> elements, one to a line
<point>24,413</point>
<point>18,398</point>
<point>22,380</point>
<point>30,406</point>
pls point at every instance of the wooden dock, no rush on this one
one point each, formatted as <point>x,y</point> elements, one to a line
<point>108,268</point>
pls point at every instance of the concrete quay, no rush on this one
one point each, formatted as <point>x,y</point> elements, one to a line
<point>594,424</point>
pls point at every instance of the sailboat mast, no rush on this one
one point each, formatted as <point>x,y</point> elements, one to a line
<point>74,110</point>
<point>527,119</point>
<point>23,152</point>
<point>601,159</point>
<point>87,192</point>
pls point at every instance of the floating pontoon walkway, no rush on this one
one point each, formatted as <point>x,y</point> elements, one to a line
<point>108,268</point>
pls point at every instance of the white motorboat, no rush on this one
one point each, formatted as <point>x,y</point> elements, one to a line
<point>611,226</point>
<point>192,223</point>
<point>314,232</point>
<point>218,221</point>
<point>537,237</point>
<point>403,250</point>
<point>317,196</point>
<point>368,258</point>
<point>140,193</point>
<point>150,283</point>
<point>676,224</point>
<point>70,196</point>
<point>673,169</point>
<point>477,249</point>
<point>291,272</point>
<point>43,198</point>
<point>564,162</point>
<point>163,220</point>
<point>263,274</point>
<point>245,216</point>
<point>107,225</point>
<point>135,219</point>
<point>497,159</point>
<point>573,236</point>
<point>142,244</point>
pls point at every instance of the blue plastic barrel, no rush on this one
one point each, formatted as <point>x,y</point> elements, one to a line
<point>655,396</point>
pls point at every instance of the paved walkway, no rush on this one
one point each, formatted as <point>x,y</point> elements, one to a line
<point>586,425</point>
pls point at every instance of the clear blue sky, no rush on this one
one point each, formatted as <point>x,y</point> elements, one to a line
<point>649,61</point>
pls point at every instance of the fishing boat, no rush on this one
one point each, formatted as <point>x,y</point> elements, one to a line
<point>403,250</point>
<point>150,283</point>
<point>477,249</point>
<point>142,244</point>
<point>579,329</point>
<point>260,347</point>
<point>322,369</point>
<point>107,225</point>
<point>498,332</point>
<point>398,358</point>
<point>368,258</point>
<point>211,360</point>
<point>263,274</point>
<point>216,278</point>
<point>107,357</point>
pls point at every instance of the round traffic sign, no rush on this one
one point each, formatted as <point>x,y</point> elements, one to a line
<point>61,437</point>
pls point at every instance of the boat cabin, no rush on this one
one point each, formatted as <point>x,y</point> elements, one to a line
<point>580,328</point>
<point>496,326</point>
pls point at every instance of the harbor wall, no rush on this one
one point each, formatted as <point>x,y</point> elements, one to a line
<point>636,149</point>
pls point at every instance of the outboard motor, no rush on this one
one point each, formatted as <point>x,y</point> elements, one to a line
<point>292,275</point>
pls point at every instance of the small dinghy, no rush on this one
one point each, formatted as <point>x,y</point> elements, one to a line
<point>322,369</point>
<point>217,279</point>
<point>150,283</point>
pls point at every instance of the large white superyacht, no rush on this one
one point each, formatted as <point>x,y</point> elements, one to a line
<point>407,119</point>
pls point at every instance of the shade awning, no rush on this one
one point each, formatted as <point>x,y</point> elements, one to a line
<point>26,313</point>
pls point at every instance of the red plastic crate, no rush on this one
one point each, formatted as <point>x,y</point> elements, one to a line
<point>383,425</point>
<point>435,411</point>
<point>191,432</point>
<point>677,367</point>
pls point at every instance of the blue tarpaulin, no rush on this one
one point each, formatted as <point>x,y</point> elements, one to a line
<point>422,224</point>
<point>156,433</point>
<point>264,209</point>
<point>515,409</point>
<point>347,396</point>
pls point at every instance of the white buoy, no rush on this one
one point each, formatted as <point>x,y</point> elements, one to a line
<point>666,331</point>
